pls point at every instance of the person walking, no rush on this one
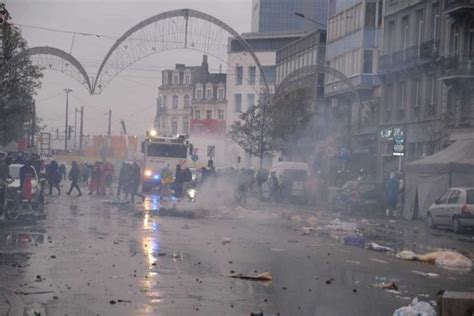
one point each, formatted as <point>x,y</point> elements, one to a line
<point>62,171</point>
<point>95,177</point>
<point>391,194</point>
<point>53,177</point>
<point>123,176</point>
<point>74,175</point>
<point>136,179</point>
<point>178,182</point>
<point>109,175</point>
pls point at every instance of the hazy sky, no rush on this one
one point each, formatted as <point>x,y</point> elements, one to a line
<point>132,95</point>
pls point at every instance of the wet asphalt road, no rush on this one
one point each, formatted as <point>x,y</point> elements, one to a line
<point>88,254</point>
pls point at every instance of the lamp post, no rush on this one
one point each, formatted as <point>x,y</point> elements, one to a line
<point>301,15</point>
<point>67,112</point>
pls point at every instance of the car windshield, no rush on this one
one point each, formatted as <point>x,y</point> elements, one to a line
<point>167,150</point>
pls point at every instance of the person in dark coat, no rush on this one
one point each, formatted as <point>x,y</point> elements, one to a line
<point>178,182</point>
<point>135,182</point>
<point>74,175</point>
<point>124,176</point>
<point>392,187</point>
<point>53,177</point>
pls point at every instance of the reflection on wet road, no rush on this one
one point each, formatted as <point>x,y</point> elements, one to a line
<point>93,257</point>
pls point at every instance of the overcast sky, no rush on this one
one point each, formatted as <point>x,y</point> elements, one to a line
<point>132,95</point>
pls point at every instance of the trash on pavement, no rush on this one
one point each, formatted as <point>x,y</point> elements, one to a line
<point>312,220</point>
<point>427,274</point>
<point>306,230</point>
<point>447,259</point>
<point>265,276</point>
<point>377,247</point>
<point>226,241</point>
<point>388,286</point>
<point>296,219</point>
<point>378,260</point>
<point>453,260</point>
<point>416,308</point>
<point>353,261</point>
<point>339,225</point>
<point>358,241</point>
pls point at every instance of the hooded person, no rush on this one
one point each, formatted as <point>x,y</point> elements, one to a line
<point>53,176</point>
<point>74,175</point>
<point>392,187</point>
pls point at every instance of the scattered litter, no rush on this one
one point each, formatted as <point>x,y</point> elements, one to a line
<point>426,274</point>
<point>377,247</point>
<point>337,224</point>
<point>446,259</point>
<point>124,301</point>
<point>265,276</point>
<point>112,302</point>
<point>353,261</point>
<point>296,219</point>
<point>364,221</point>
<point>226,241</point>
<point>293,241</point>
<point>306,230</point>
<point>392,221</point>
<point>387,286</point>
<point>358,241</point>
<point>378,260</point>
<point>312,220</point>
<point>407,255</point>
<point>416,308</point>
<point>53,257</point>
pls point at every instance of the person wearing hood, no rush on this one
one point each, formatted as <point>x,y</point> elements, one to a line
<point>392,187</point>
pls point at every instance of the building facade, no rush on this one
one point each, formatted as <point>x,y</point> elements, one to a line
<point>353,44</point>
<point>208,127</point>
<point>245,83</point>
<point>279,15</point>
<point>175,97</point>
<point>427,72</point>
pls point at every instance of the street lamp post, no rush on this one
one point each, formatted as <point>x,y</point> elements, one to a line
<point>301,15</point>
<point>67,112</point>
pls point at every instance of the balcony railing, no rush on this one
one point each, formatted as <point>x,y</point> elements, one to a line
<point>458,7</point>
<point>407,58</point>
<point>458,64</point>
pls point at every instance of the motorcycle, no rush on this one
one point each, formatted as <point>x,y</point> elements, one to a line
<point>10,200</point>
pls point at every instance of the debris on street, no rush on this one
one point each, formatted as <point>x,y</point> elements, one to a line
<point>358,241</point>
<point>426,274</point>
<point>226,241</point>
<point>387,286</point>
<point>446,259</point>
<point>380,248</point>
<point>416,308</point>
<point>265,276</point>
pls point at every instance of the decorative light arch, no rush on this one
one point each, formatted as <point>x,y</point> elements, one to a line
<point>53,59</point>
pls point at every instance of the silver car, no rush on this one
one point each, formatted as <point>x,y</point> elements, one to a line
<point>455,208</point>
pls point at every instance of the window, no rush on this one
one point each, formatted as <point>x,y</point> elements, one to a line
<point>419,28</point>
<point>250,100</point>
<point>175,79</point>
<point>470,197</point>
<point>237,103</point>
<point>163,101</point>
<point>368,61</point>
<point>165,78</point>
<point>404,33</point>
<point>174,126</point>
<point>269,73</point>
<point>187,79</point>
<point>416,94</point>
<point>220,93</point>
<point>444,198</point>
<point>252,74</point>
<point>185,125</point>
<point>220,115</point>
<point>391,33</point>
<point>175,102</point>
<point>349,20</point>
<point>197,115</point>
<point>239,74</point>
<point>388,101</point>
<point>435,21</point>
<point>403,99</point>
<point>187,102</point>
<point>209,93</point>
<point>370,13</point>
<point>455,39</point>
<point>430,97</point>
<point>454,197</point>
<point>209,115</point>
<point>198,94</point>
<point>471,40</point>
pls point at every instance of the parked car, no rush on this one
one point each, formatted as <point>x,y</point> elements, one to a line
<point>292,177</point>
<point>455,208</point>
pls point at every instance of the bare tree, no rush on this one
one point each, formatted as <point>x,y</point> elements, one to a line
<point>438,130</point>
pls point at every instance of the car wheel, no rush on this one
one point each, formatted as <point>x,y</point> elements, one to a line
<point>457,227</point>
<point>430,221</point>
